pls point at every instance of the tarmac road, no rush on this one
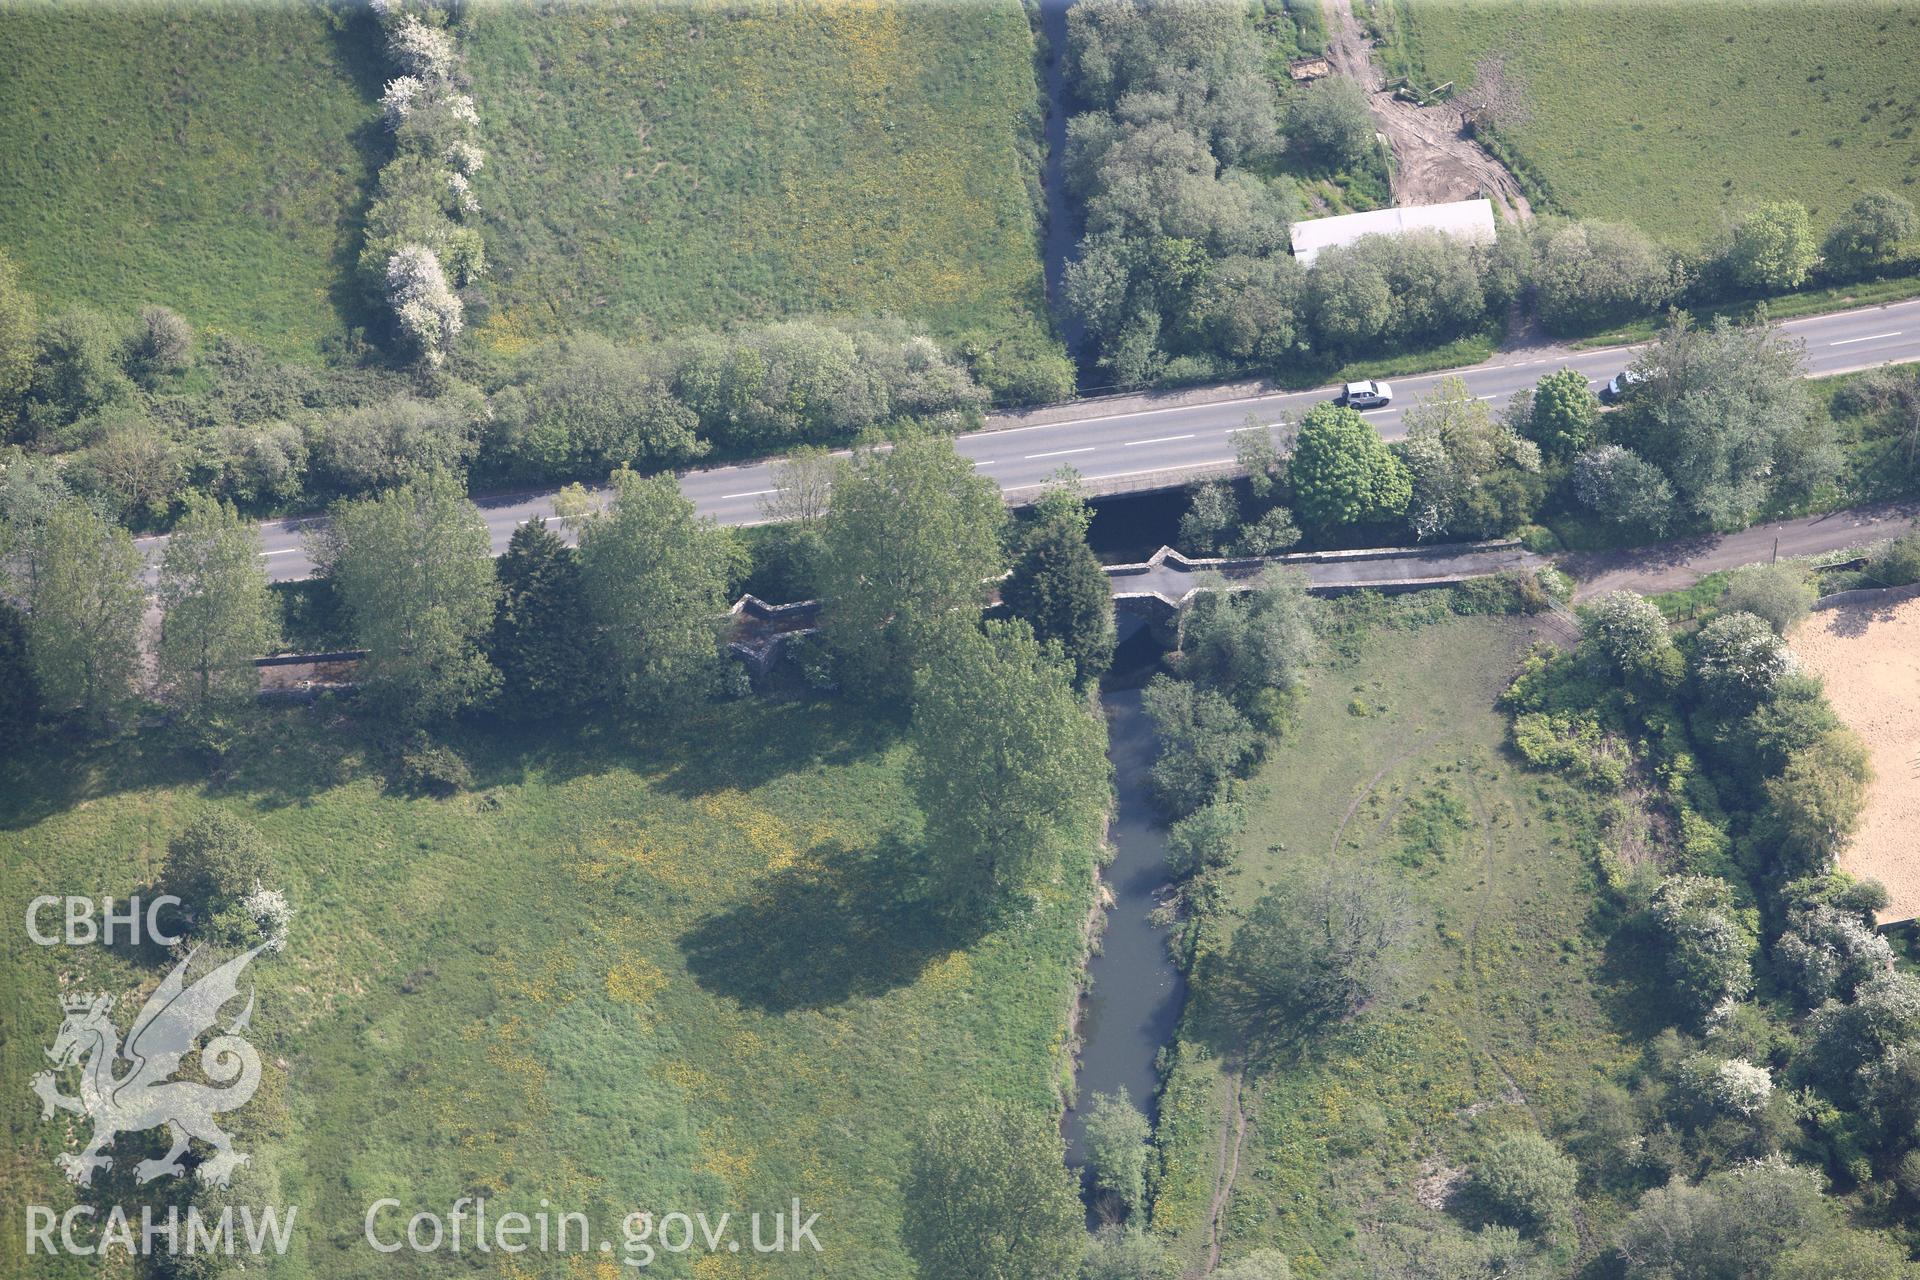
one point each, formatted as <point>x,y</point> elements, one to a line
<point>1162,440</point>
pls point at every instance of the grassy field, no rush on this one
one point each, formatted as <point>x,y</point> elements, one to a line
<point>1509,1011</point>
<point>676,977</point>
<point>1668,115</point>
<point>211,157</point>
<point>658,168</point>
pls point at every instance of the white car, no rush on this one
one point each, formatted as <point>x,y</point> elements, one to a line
<point>1617,386</point>
<point>1366,395</point>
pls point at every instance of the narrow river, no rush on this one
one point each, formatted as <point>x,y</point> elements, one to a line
<point>1134,1005</point>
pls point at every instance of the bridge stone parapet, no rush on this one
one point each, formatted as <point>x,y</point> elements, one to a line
<point>1167,580</point>
<point>1156,588</point>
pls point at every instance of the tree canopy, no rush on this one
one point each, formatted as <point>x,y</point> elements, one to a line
<point>1315,952</point>
<point>1723,411</point>
<point>1870,232</point>
<point>1117,1135</point>
<point>1204,740</point>
<point>1009,763</point>
<point>1184,236</point>
<point>1472,474</point>
<point>988,1197</point>
<point>542,641</point>
<point>1342,473</point>
<point>1773,247</point>
<point>414,569</point>
<point>1249,644</point>
<point>1589,274</point>
<point>913,536</point>
<point>1564,414</point>
<point>1059,589</point>
<point>84,609</point>
<point>218,613</point>
<point>655,576</point>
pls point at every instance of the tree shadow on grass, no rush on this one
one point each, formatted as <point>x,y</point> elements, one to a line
<point>702,749</point>
<point>358,44</point>
<point>842,923</point>
<point>287,757</point>
<point>52,772</point>
<point>715,749</point>
<point>1634,988</point>
<point>291,756</point>
<point>1227,1015</point>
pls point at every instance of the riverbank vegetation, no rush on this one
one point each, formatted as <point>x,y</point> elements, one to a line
<point>1391,762</point>
<point>1617,838</point>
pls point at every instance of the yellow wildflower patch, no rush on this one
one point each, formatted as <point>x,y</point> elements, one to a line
<point>950,972</point>
<point>508,1053</point>
<point>692,1081</point>
<point>635,981</point>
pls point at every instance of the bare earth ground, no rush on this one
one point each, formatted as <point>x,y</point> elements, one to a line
<point>1869,656</point>
<point>1434,159</point>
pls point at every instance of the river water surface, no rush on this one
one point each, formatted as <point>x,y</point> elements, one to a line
<point>1137,991</point>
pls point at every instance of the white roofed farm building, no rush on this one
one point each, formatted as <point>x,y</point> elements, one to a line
<point>1467,219</point>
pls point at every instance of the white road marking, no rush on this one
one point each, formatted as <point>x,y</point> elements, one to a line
<point>1060,453</point>
<point>1148,471</point>
<point>1872,337</point>
<point>1162,439</point>
<point>285,551</point>
<point>755,493</point>
<point>1165,408</point>
<point>985,462</point>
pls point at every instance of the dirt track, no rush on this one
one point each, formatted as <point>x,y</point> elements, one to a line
<point>1869,656</point>
<point>1434,159</point>
<point>1670,566</point>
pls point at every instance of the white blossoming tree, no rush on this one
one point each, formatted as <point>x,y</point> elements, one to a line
<point>271,913</point>
<point>415,237</point>
<point>398,99</point>
<point>466,158</point>
<point>1741,1086</point>
<point>428,309</point>
<point>422,50</point>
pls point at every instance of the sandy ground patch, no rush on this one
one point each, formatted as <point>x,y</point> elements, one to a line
<point>1869,657</point>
